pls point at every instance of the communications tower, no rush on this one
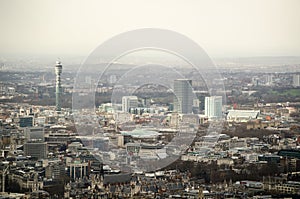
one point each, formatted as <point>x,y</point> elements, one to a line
<point>58,90</point>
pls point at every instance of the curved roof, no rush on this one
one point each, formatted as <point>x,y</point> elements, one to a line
<point>141,133</point>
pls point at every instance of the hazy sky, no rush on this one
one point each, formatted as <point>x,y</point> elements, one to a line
<point>222,28</point>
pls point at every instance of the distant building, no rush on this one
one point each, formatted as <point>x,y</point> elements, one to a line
<point>133,149</point>
<point>26,121</point>
<point>74,146</point>
<point>141,110</point>
<point>291,187</point>
<point>55,171</point>
<point>146,102</point>
<point>113,79</point>
<point>242,115</point>
<point>269,80</point>
<point>255,81</point>
<point>290,153</point>
<point>296,80</point>
<point>34,133</point>
<point>58,90</point>
<point>183,100</point>
<point>36,149</point>
<point>77,169</point>
<point>129,102</point>
<point>174,120</point>
<point>213,107</point>
<point>270,158</point>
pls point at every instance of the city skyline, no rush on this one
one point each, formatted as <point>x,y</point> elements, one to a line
<point>152,99</point>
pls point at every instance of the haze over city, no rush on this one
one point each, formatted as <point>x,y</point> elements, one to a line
<point>223,28</point>
<point>150,99</point>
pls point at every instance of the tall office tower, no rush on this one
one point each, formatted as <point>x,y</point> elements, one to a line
<point>129,102</point>
<point>213,107</point>
<point>269,80</point>
<point>58,71</point>
<point>183,100</point>
<point>296,80</point>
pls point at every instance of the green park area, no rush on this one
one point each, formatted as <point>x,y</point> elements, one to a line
<point>293,92</point>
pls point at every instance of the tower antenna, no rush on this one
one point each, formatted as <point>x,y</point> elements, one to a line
<point>58,90</point>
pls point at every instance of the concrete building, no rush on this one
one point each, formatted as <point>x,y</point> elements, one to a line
<point>129,102</point>
<point>213,107</point>
<point>36,149</point>
<point>133,149</point>
<point>34,133</point>
<point>55,170</point>
<point>269,80</point>
<point>296,80</point>
<point>291,187</point>
<point>26,121</point>
<point>183,101</point>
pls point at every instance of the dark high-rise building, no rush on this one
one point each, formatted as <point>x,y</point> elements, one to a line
<point>36,149</point>
<point>183,101</point>
<point>26,121</point>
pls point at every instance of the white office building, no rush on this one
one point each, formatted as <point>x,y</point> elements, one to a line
<point>296,80</point>
<point>269,80</point>
<point>213,107</point>
<point>129,102</point>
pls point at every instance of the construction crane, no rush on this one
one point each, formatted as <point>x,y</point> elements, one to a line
<point>3,177</point>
